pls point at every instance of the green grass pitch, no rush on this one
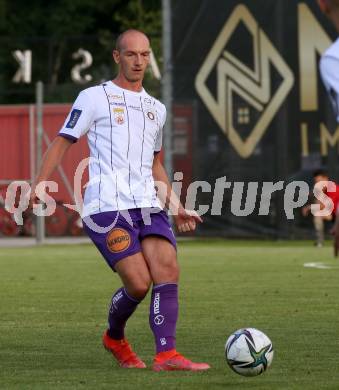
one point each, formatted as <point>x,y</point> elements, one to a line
<point>53,303</point>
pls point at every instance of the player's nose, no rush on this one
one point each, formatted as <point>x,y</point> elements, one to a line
<point>138,59</point>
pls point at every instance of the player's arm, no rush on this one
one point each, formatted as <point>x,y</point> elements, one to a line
<point>330,75</point>
<point>77,123</point>
<point>51,159</point>
<point>184,219</point>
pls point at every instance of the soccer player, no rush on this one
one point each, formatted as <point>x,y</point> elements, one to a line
<point>122,213</point>
<point>321,175</point>
<point>329,69</point>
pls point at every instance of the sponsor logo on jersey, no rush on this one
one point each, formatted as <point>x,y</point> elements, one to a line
<point>137,108</point>
<point>119,115</point>
<point>118,240</point>
<point>75,115</point>
<point>147,101</point>
<point>117,104</point>
<point>150,115</point>
<point>117,97</point>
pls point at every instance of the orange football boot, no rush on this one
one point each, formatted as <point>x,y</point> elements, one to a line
<point>123,352</point>
<point>174,361</point>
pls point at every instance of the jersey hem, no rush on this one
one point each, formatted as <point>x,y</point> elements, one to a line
<point>68,136</point>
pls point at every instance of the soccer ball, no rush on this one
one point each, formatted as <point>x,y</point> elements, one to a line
<point>249,352</point>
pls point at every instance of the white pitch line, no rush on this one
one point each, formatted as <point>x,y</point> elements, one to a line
<point>319,266</point>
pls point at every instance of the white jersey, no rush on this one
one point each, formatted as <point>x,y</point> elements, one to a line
<point>124,130</point>
<point>329,68</point>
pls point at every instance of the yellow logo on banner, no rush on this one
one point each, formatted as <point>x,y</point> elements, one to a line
<point>253,86</point>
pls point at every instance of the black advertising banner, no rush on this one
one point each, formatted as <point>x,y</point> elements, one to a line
<point>250,69</point>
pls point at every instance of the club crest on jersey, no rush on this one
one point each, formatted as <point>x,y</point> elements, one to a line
<point>119,115</point>
<point>150,115</point>
<point>118,240</point>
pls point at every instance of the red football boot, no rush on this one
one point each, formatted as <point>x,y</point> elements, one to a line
<point>123,352</point>
<point>174,361</point>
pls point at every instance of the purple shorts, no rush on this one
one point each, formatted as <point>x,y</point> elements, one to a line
<point>118,234</point>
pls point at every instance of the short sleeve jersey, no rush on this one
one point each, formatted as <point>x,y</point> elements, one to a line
<point>124,130</point>
<point>329,68</point>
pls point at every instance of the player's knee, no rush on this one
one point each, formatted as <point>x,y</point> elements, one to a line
<point>170,272</point>
<point>139,290</point>
<point>175,271</point>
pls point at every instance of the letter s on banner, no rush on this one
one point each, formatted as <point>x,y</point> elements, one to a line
<point>87,61</point>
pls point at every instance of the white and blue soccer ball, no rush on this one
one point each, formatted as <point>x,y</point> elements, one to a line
<point>249,352</point>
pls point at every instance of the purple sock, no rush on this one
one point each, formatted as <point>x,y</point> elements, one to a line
<point>121,308</point>
<point>163,315</point>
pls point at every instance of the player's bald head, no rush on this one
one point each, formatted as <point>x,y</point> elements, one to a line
<point>128,36</point>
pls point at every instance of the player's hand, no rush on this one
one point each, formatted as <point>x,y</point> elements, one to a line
<point>33,198</point>
<point>186,220</point>
<point>306,210</point>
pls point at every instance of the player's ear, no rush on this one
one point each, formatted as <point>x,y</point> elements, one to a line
<point>116,56</point>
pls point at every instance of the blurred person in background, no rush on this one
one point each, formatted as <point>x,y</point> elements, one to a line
<point>321,175</point>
